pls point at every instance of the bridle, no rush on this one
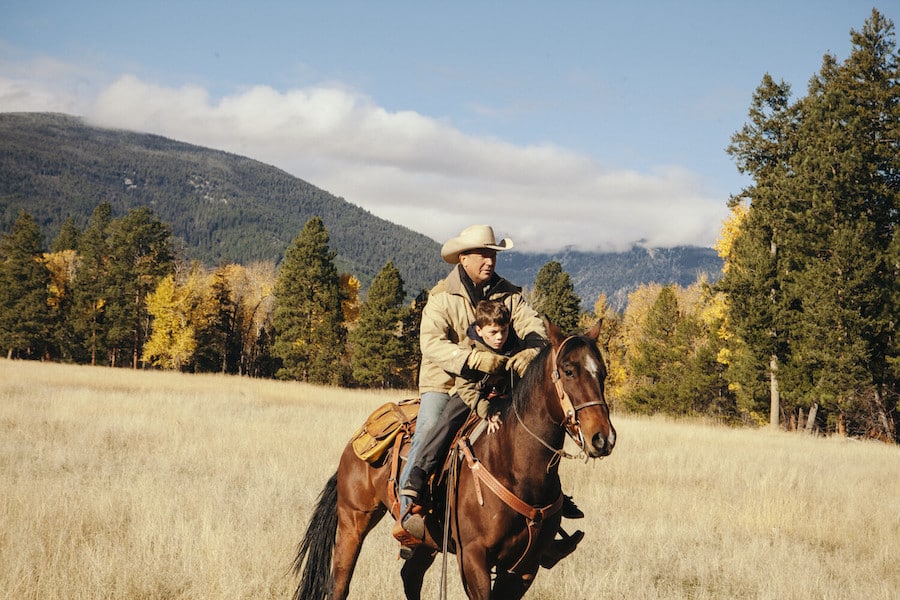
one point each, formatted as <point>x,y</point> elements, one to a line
<point>569,420</point>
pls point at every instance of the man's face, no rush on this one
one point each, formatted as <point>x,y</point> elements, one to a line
<point>493,335</point>
<point>479,264</point>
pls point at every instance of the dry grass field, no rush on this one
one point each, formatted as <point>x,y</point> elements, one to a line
<point>122,484</point>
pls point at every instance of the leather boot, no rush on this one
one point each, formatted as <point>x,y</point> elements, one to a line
<point>416,485</point>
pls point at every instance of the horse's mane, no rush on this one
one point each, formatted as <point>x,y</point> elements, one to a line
<point>521,392</point>
<point>534,374</point>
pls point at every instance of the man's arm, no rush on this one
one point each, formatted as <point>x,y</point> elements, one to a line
<point>434,337</point>
<point>528,325</point>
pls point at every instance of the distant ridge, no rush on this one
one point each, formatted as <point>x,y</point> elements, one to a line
<point>617,274</point>
<point>227,208</point>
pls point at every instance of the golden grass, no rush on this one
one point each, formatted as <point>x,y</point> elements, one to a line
<point>123,484</point>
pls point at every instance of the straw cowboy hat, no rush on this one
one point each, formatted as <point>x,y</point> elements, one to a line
<point>472,238</point>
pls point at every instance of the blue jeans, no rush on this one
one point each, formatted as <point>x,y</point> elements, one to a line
<point>430,408</point>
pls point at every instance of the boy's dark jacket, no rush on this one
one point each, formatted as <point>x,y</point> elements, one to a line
<point>476,388</point>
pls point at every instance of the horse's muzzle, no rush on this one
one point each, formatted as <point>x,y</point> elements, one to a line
<point>601,445</point>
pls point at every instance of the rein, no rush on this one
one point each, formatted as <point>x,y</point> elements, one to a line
<point>557,452</point>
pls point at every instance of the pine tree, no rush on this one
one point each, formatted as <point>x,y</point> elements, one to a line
<point>67,239</point>
<point>378,345</point>
<point>757,305</point>
<point>89,291</point>
<point>847,175</point>
<point>139,256</point>
<point>658,358</point>
<point>307,321</point>
<point>25,319</point>
<point>554,296</point>
<point>217,335</point>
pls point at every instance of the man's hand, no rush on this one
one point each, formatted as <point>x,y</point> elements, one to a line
<point>486,362</point>
<point>520,360</point>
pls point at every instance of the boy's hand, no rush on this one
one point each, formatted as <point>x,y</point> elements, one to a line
<point>494,423</point>
<point>486,362</point>
<point>520,360</point>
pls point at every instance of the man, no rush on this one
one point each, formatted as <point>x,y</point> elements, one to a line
<point>446,317</point>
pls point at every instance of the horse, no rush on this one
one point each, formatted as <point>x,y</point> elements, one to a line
<point>502,529</point>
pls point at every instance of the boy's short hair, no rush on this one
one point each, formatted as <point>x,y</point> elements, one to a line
<point>491,312</point>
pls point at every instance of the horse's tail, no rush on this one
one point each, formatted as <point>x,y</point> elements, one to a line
<point>317,547</point>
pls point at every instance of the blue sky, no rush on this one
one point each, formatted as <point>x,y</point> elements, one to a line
<point>595,125</point>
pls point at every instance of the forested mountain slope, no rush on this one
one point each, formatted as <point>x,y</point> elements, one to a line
<point>228,208</point>
<point>221,207</point>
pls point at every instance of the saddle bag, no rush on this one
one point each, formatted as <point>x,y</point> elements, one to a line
<point>378,432</point>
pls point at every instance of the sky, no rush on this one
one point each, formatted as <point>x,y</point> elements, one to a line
<point>570,124</point>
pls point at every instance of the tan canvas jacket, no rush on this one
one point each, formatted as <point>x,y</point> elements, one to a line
<point>447,315</point>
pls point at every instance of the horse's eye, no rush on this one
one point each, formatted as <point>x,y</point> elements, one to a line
<point>569,371</point>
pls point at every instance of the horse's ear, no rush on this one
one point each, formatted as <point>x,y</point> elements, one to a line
<point>594,331</point>
<point>556,336</point>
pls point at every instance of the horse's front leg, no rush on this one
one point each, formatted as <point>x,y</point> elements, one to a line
<point>413,572</point>
<point>353,526</point>
<point>512,585</point>
<point>476,574</point>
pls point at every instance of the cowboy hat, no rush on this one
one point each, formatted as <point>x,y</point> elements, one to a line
<point>472,238</point>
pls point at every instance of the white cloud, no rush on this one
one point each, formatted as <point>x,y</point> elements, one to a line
<point>406,167</point>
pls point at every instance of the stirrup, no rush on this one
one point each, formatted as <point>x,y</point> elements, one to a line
<point>410,532</point>
<point>405,536</point>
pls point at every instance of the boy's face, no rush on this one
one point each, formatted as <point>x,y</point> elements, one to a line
<point>493,335</point>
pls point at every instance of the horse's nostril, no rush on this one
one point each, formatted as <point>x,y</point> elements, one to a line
<point>602,445</point>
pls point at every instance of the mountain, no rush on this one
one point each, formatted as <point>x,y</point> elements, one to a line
<point>223,207</point>
<point>617,274</point>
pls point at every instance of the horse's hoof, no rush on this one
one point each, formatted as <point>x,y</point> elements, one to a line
<point>560,549</point>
